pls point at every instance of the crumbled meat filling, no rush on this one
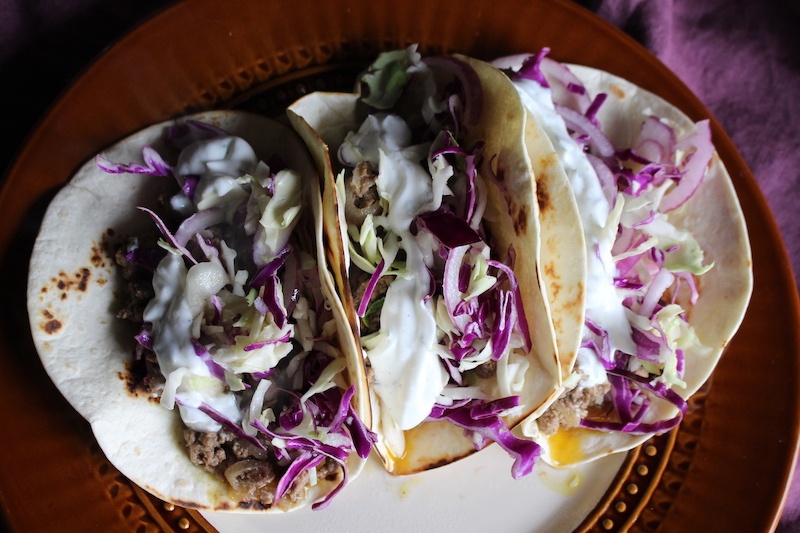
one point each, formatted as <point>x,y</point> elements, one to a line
<point>138,288</point>
<point>252,472</point>
<point>361,194</point>
<point>571,407</point>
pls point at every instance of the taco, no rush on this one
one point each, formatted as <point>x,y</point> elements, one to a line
<point>435,228</point>
<point>669,272</point>
<point>240,392</point>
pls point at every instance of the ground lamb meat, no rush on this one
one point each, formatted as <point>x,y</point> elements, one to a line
<point>252,477</point>
<point>249,470</point>
<point>329,470</point>
<point>571,407</point>
<point>206,447</point>
<point>361,194</point>
<point>138,288</point>
<point>297,492</point>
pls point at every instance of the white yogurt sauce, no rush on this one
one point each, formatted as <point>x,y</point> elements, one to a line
<point>408,373</point>
<point>171,317</point>
<point>603,302</point>
<point>218,163</point>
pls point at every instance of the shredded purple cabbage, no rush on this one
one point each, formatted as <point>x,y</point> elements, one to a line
<point>154,165</point>
<point>483,420</point>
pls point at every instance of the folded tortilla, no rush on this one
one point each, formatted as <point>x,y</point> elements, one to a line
<point>712,217</point>
<point>74,292</point>
<point>526,209</point>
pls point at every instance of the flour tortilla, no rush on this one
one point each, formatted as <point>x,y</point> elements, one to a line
<point>73,289</point>
<point>713,215</point>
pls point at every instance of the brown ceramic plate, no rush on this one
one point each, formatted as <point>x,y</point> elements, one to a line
<point>726,468</point>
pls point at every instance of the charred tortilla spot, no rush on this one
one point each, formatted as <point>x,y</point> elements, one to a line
<point>135,378</point>
<point>577,303</point>
<point>83,279</point>
<point>51,324</point>
<point>521,220</point>
<point>617,90</point>
<point>550,270</point>
<point>189,505</point>
<point>77,282</point>
<point>542,196</point>
<point>555,288</point>
<point>548,160</point>
<point>436,464</point>
<point>97,258</point>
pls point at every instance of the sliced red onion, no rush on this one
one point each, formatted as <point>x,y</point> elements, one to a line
<point>607,179</point>
<point>695,168</point>
<point>582,125</point>
<point>563,85</point>
<point>656,141</point>
<point>660,283</point>
<point>522,321</point>
<point>470,84</point>
<point>688,278</point>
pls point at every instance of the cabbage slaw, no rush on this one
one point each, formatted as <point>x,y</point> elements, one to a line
<point>642,269</point>
<point>239,326</point>
<point>452,307</point>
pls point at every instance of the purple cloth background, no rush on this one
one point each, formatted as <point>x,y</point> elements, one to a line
<point>741,57</point>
